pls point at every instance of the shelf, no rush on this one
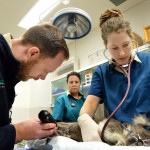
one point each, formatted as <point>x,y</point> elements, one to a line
<point>145,48</point>
<point>60,83</point>
<point>68,66</point>
<point>51,106</point>
<point>86,86</point>
<point>54,95</point>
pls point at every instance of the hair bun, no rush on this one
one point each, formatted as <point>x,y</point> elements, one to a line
<point>109,14</point>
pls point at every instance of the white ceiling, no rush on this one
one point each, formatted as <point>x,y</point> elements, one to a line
<point>12,11</point>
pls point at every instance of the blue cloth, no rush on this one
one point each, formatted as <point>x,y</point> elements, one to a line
<point>63,111</point>
<point>23,149</point>
<point>110,85</point>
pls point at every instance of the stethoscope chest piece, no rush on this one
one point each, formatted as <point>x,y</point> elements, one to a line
<point>72,105</point>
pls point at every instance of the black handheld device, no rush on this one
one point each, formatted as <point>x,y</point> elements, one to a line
<point>46,117</point>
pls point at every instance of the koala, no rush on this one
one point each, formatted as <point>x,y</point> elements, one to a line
<point>70,130</point>
<point>115,133</point>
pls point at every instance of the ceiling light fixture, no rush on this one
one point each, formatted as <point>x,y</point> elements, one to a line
<point>75,23</point>
<point>66,2</point>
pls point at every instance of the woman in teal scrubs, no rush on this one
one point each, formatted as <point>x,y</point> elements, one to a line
<point>67,106</point>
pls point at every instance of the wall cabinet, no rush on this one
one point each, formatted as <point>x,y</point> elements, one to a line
<point>59,84</point>
<point>67,66</point>
<point>59,87</point>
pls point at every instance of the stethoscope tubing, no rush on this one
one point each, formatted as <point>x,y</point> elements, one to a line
<point>124,98</point>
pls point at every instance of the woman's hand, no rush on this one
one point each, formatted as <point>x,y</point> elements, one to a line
<point>33,129</point>
<point>89,128</point>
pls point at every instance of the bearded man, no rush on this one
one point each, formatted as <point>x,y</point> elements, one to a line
<point>38,52</point>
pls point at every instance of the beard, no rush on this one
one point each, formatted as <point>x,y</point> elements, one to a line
<point>24,70</point>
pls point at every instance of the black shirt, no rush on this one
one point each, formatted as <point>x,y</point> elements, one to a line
<point>8,79</point>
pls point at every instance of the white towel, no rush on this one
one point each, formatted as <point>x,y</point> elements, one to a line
<point>64,143</point>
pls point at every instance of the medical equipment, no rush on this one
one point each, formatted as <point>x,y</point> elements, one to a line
<point>137,139</point>
<point>46,117</point>
<point>127,73</point>
<point>75,23</point>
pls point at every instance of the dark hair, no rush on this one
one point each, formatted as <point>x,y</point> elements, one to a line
<point>47,38</point>
<point>112,21</point>
<point>74,74</point>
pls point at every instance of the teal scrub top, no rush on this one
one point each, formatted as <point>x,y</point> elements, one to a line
<point>67,108</point>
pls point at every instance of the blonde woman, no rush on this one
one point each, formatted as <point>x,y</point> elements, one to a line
<point>111,80</point>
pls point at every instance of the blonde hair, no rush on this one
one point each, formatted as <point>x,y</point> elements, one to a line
<point>112,20</point>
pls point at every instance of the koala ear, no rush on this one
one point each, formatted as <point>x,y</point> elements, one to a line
<point>141,120</point>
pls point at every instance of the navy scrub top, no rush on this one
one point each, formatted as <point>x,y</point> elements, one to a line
<point>110,85</point>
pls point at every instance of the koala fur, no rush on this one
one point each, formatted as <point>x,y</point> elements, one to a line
<point>114,134</point>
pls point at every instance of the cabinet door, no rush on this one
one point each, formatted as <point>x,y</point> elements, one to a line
<point>86,78</point>
<point>58,87</point>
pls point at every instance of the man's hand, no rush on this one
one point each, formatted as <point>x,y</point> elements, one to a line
<point>89,128</point>
<point>33,129</point>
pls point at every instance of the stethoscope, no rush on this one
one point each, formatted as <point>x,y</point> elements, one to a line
<point>127,73</point>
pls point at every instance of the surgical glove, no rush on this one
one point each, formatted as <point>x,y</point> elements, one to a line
<point>89,128</point>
